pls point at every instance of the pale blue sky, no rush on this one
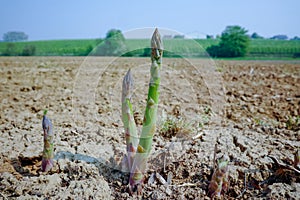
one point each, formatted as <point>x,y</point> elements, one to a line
<point>69,19</point>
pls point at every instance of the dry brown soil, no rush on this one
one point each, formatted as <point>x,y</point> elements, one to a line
<point>250,109</point>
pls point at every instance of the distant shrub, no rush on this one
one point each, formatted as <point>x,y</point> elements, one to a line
<point>256,36</point>
<point>296,38</point>
<point>279,37</point>
<point>28,50</point>
<point>113,45</point>
<point>234,43</point>
<point>214,51</point>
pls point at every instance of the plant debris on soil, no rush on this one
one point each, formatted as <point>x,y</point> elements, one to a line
<point>252,114</point>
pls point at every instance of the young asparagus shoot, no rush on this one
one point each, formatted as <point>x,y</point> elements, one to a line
<point>128,119</point>
<point>47,162</point>
<point>219,180</point>
<point>149,123</point>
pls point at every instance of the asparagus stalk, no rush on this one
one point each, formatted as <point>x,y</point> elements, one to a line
<point>47,162</point>
<point>219,180</point>
<point>128,119</point>
<point>150,116</point>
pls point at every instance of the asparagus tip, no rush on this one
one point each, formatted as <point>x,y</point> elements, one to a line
<point>129,73</point>
<point>127,85</point>
<point>156,42</point>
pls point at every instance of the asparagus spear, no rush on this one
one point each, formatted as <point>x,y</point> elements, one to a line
<point>219,180</point>
<point>47,162</point>
<point>149,123</point>
<point>128,119</point>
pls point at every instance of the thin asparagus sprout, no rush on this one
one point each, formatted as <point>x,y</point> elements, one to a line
<point>128,119</point>
<point>47,162</point>
<point>219,180</point>
<point>149,123</point>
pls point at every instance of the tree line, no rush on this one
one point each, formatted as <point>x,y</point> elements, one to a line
<point>233,42</point>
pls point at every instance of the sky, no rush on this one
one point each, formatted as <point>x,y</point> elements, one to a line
<point>69,19</point>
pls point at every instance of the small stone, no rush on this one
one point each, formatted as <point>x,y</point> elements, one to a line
<point>125,195</point>
<point>238,126</point>
<point>168,191</point>
<point>151,179</point>
<point>273,103</point>
<point>261,110</point>
<point>289,99</point>
<point>118,183</point>
<point>251,108</point>
<point>259,130</point>
<point>34,167</point>
<point>244,98</point>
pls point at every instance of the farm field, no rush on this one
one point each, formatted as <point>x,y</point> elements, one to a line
<point>259,48</point>
<point>249,109</point>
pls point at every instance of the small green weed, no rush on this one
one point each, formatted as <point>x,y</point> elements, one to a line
<point>293,123</point>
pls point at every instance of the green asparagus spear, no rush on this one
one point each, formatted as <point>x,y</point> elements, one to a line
<point>149,123</point>
<point>128,119</point>
<point>219,180</point>
<point>47,162</point>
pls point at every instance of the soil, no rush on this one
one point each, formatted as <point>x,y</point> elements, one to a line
<point>249,110</point>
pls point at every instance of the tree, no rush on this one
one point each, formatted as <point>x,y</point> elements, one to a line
<point>296,38</point>
<point>28,50</point>
<point>14,36</point>
<point>256,36</point>
<point>209,37</point>
<point>279,37</point>
<point>234,43</point>
<point>113,45</point>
